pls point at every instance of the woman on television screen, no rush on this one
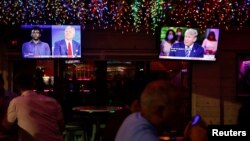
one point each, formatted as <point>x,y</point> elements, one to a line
<point>167,42</point>
<point>179,36</point>
<point>210,43</point>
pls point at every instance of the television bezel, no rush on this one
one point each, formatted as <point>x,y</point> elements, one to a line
<point>201,36</point>
<point>49,29</point>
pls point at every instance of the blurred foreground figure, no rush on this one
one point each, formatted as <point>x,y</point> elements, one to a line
<point>38,117</point>
<point>5,98</point>
<point>159,108</point>
<point>196,132</point>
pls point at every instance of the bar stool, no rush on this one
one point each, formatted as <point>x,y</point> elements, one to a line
<point>74,132</point>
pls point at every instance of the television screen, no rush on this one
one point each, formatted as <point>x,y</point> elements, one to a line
<point>51,41</point>
<point>243,74</point>
<point>182,43</point>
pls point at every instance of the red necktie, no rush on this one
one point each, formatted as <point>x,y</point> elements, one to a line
<point>69,50</point>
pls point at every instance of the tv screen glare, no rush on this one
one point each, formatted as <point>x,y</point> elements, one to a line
<point>243,74</point>
<point>51,41</point>
<point>183,43</point>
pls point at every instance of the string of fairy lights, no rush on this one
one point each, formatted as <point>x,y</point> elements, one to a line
<point>127,16</point>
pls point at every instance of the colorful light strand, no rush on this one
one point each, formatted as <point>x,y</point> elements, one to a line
<point>136,15</point>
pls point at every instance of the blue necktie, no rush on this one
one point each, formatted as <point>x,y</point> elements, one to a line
<point>187,51</point>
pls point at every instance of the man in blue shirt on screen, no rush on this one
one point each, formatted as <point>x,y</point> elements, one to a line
<point>187,48</point>
<point>35,47</point>
<point>68,47</point>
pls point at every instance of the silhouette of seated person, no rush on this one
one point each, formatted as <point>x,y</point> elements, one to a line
<point>37,116</point>
<point>159,107</point>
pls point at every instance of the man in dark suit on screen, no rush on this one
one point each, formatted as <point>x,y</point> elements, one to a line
<point>68,47</point>
<point>187,48</point>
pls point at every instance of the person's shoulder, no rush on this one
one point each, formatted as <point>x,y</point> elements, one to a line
<point>59,41</point>
<point>129,116</point>
<point>163,41</point>
<point>51,99</point>
<point>178,45</point>
<point>16,99</point>
<point>44,96</point>
<point>197,45</point>
<point>44,43</point>
<point>26,44</point>
<point>47,99</point>
<point>205,40</point>
<point>135,116</point>
<point>75,42</point>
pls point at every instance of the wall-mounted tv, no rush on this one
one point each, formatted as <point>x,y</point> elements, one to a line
<point>243,74</point>
<point>183,43</point>
<point>51,41</point>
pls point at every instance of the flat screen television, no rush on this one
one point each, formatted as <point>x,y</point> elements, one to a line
<point>183,43</point>
<point>51,41</point>
<point>243,74</point>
